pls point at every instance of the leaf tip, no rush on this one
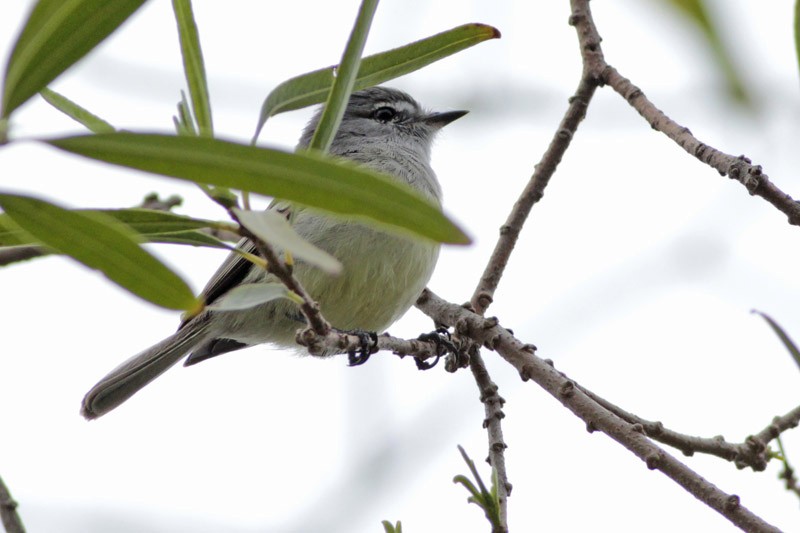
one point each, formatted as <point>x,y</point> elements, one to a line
<point>458,237</point>
<point>490,31</point>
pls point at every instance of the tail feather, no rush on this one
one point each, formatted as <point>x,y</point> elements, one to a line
<point>129,377</point>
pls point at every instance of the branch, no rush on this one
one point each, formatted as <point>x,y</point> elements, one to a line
<point>490,334</point>
<point>493,407</point>
<point>532,193</point>
<point>20,253</point>
<point>738,168</point>
<point>484,292</point>
<point>336,342</point>
<point>8,511</point>
<point>310,308</point>
<point>753,452</point>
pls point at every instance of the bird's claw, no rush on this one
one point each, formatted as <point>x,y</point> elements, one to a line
<point>441,338</point>
<point>369,345</point>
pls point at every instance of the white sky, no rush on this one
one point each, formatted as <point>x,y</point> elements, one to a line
<point>636,275</point>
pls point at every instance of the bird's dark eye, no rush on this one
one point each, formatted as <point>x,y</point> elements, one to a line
<point>384,114</point>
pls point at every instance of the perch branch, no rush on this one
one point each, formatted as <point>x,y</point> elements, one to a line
<point>488,333</point>
<point>753,452</point>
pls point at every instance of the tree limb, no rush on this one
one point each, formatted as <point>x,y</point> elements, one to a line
<point>739,168</point>
<point>532,193</point>
<point>488,333</point>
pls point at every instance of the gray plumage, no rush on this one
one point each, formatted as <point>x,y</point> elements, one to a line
<point>384,129</point>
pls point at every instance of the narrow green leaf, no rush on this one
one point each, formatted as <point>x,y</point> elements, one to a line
<point>92,122</point>
<point>56,35</point>
<point>249,295</point>
<point>473,469</point>
<point>468,485</point>
<point>142,221</point>
<point>190,238</point>
<point>389,528</point>
<point>797,31</point>
<point>313,87</point>
<point>193,65</point>
<point>782,335</point>
<point>13,235</point>
<point>184,124</point>
<point>697,12</point>
<point>309,179</point>
<point>274,229</point>
<point>156,221</point>
<point>485,499</point>
<point>101,243</point>
<point>344,79</point>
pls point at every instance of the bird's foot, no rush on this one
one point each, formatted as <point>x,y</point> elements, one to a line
<point>369,345</point>
<point>441,338</point>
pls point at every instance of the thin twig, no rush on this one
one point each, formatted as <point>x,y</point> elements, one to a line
<point>779,425</point>
<point>493,408</point>
<point>532,193</point>
<point>484,292</point>
<point>489,333</point>
<point>336,342</point>
<point>20,253</point>
<point>753,452</point>
<point>739,168</point>
<point>276,266</point>
<point>8,511</point>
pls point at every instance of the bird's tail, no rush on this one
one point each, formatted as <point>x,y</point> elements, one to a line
<point>129,377</point>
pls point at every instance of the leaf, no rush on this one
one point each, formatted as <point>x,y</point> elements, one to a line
<point>143,221</point>
<point>184,125</point>
<point>274,229</point>
<point>309,179</point>
<point>485,499</point>
<point>389,528</point>
<point>188,238</point>
<point>191,238</point>
<point>101,243</point>
<point>56,35</point>
<point>13,235</point>
<point>468,485</point>
<point>249,295</point>
<point>92,122</point>
<point>797,31</point>
<point>312,88</point>
<point>782,335</point>
<point>344,79</point>
<point>193,66</point>
<point>697,12</point>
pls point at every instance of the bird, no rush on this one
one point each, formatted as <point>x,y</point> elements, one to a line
<point>383,273</point>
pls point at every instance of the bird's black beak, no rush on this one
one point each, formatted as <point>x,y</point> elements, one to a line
<point>440,120</point>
